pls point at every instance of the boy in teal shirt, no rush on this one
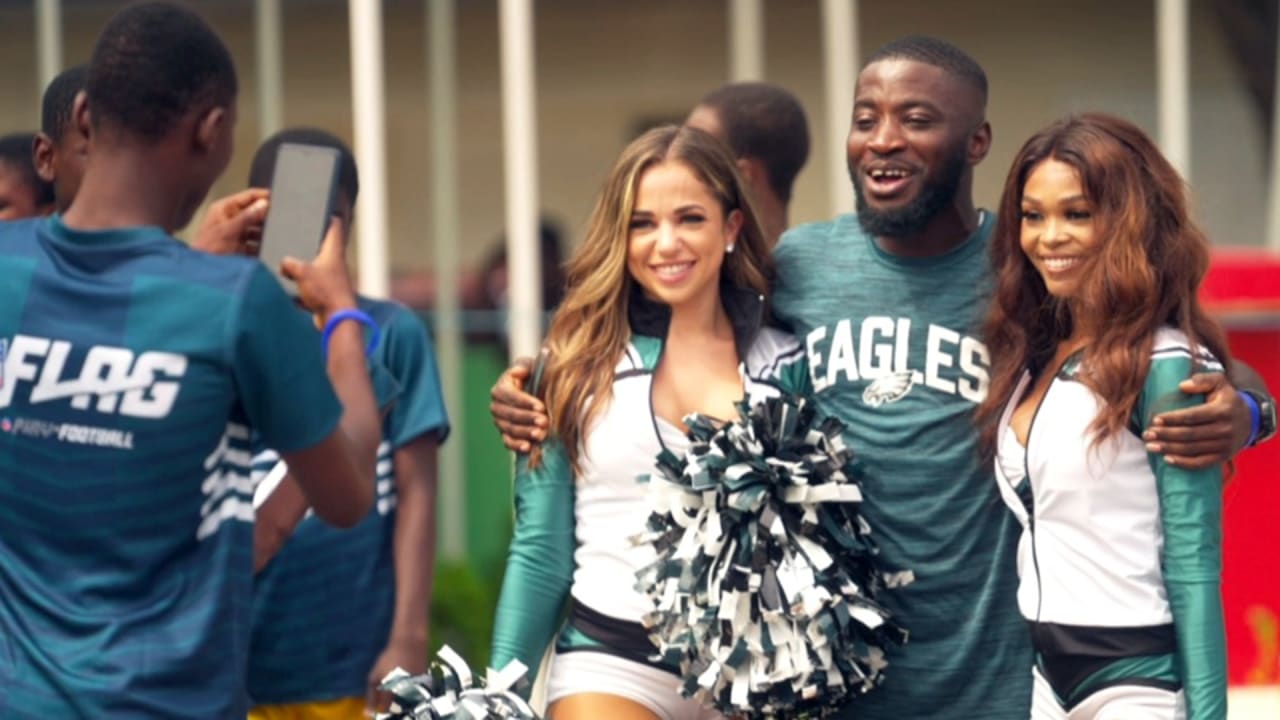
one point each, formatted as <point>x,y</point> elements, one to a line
<point>134,371</point>
<point>368,587</point>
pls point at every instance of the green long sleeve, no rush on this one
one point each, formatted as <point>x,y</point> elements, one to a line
<point>539,562</point>
<point>1191,512</point>
<point>1191,515</point>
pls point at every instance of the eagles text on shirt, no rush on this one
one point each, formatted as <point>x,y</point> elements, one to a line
<point>877,350</point>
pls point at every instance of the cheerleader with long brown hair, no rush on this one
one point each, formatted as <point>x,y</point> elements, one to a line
<point>662,317</point>
<point>1094,323</point>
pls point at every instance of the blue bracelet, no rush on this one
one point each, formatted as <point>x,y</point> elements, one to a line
<point>1255,416</point>
<point>351,314</point>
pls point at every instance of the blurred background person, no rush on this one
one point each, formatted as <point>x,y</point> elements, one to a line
<point>61,146</point>
<point>22,193</point>
<point>765,127</point>
<point>484,293</point>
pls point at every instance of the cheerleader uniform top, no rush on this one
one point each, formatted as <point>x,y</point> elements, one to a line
<point>1119,559</point>
<point>574,536</point>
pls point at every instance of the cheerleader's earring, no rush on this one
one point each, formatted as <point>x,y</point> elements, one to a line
<point>729,248</point>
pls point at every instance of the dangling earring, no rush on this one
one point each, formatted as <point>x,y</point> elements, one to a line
<point>729,248</point>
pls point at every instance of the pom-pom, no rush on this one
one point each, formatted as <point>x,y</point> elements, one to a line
<point>766,580</point>
<point>448,692</point>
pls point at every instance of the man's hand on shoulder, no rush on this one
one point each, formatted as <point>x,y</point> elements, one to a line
<point>520,417</point>
<point>1205,435</point>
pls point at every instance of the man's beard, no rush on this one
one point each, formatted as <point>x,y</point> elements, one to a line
<point>915,216</point>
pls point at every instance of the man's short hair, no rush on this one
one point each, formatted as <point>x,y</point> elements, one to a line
<point>16,154</point>
<point>263,166</point>
<point>767,123</point>
<point>59,100</point>
<point>938,53</point>
<point>154,63</point>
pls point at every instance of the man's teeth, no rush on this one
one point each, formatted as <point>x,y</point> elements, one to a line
<point>1060,264</point>
<point>880,174</point>
<point>672,270</point>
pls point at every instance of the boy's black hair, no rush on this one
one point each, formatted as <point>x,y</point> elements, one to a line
<point>152,64</point>
<point>263,166</point>
<point>767,123</point>
<point>59,97</point>
<point>938,53</point>
<point>16,153</point>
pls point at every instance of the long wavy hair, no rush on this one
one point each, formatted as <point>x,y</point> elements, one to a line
<point>590,329</point>
<point>1146,273</point>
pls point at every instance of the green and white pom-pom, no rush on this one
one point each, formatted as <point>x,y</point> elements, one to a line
<point>447,692</point>
<point>766,583</point>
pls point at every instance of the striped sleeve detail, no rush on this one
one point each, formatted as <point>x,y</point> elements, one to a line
<point>228,488</point>
<point>1171,343</point>
<point>385,495</point>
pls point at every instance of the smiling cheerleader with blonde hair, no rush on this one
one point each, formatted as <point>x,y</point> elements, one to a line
<point>663,316</point>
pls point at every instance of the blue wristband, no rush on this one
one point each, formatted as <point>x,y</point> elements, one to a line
<point>1255,417</point>
<point>351,314</point>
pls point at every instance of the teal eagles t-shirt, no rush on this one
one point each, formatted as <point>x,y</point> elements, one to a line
<point>893,351</point>
<point>323,607</point>
<point>134,370</point>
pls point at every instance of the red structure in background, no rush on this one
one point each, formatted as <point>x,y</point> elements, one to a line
<point>1243,293</point>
